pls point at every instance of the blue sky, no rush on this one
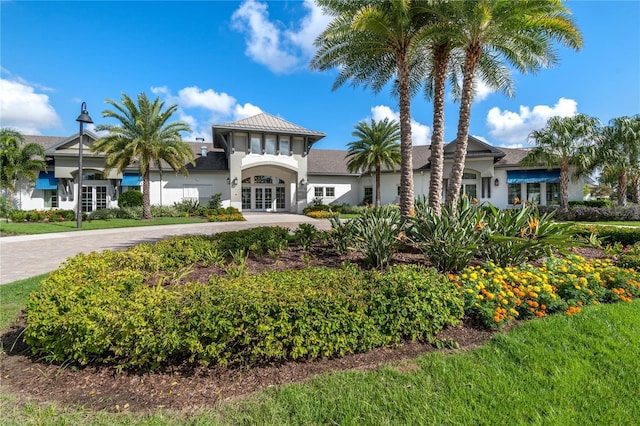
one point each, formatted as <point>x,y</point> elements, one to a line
<point>220,61</point>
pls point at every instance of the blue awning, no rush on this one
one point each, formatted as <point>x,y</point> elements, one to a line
<point>533,176</point>
<point>46,180</point>
<point>131,179</point>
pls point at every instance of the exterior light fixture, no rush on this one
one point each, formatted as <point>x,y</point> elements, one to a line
<point>235,181</point>
<point>303,182</point>
<point>228,180</point>
<point>496,182</point>
<point>82,119</point>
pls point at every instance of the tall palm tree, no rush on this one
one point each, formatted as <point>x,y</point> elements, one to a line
<point>372,42</point>
<point>520,33</point>
<point>377,146</point>
<point>18,160</point>
<point>145,135</point>
<point>564,142</point>
<point>620,155</point>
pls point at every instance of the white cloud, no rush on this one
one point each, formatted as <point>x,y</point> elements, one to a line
<point>201,108</point>
<point>420,133</point>
<point>310,27</point>
<point>514,127</point>
<point>246,110</point>
<point>24,109</point>
<point>220,103</point>
<point>268,43</point>
<point>481,91</point>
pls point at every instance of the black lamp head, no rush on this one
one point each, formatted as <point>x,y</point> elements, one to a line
<point>84,114</point>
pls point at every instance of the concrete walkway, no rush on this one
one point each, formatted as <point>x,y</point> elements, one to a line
<point>29,255</point>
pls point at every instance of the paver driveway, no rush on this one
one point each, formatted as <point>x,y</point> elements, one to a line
<point>29,255</point>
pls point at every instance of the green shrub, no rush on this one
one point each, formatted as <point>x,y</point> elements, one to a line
<point>341,235</point>
<point>164,211</point>
<point>130,212</point>
<point>98,308</point>
<point>18,216</point>
<point>305,235</point>
<point>610,235</point>
<point>103,214</point>
<point>590,203</point>
<point>215,202</point>
<point>516,236</point>
<point>449,240</point>
<point>131,198</point>
<point>261,238</point>
<point>377,235</point>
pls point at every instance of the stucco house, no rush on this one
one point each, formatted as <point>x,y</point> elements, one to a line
<point>265,163</point>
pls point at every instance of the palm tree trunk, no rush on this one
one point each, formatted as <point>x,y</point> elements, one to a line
<point>622,188</point>
<point>564,184</point>
<point>635,186</point>
<point>471,60</point>
<point>146,196</point>
<point>378,203</point>
<point>406,146</point>
<point>440,61</point>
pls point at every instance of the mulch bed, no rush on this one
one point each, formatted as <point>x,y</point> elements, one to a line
<point>188,388</point>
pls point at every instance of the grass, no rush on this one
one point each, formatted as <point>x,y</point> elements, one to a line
<point>13,297</point>
<point>582,369</point>
<point>45,228</point>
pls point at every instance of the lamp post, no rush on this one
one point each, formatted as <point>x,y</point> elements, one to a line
<point>82,118</point>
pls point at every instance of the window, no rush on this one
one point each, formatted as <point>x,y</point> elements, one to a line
<point>318,191</point>
<point>514,192</point>
<point>553,193</point>
<point>469,176</point>
<point>398,191</point>
<point>280,201</point>
<point>284,146</point>
<point>533,193</point>
<point>368,195</point>
<point>330,191</point>
<point>470,190</point>
<point>246,198</point>
<point>92,176</point>
<point>50,198</point>
<point>486,187</point>
<point>101,197</point>
<point>256,144</point>
<point>262,179</point>
<point>270,145</point>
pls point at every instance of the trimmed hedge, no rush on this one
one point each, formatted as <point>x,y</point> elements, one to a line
<point>611,234</point>
<point>594,214</point>
<point>92,312</point>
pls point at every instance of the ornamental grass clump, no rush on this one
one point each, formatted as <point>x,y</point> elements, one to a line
<point>377,235</point>
<point>494,295</point>
<point>449,241</point>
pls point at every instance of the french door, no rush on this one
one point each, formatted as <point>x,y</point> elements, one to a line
<point>263,198</point>
<point>94,198</point>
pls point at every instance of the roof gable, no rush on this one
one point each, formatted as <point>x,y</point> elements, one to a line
<point>267,123</point>
<point>70,145</point>
<point>475,148</point>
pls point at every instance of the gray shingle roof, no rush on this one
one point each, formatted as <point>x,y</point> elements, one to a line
<point>268,123</point>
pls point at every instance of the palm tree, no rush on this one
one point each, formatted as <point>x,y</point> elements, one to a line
<point>18,160</point>
<point>377,146</point>
<point>620,155</point>
<point>372,42</point>
<point>144,135</point>
<point>521,34</point>
<point>564,142</point>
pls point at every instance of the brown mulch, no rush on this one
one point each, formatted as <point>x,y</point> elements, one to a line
<point>189,388</point>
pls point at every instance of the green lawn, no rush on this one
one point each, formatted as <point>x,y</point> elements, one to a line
<point>45,228</point>
<point>582,369</point>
